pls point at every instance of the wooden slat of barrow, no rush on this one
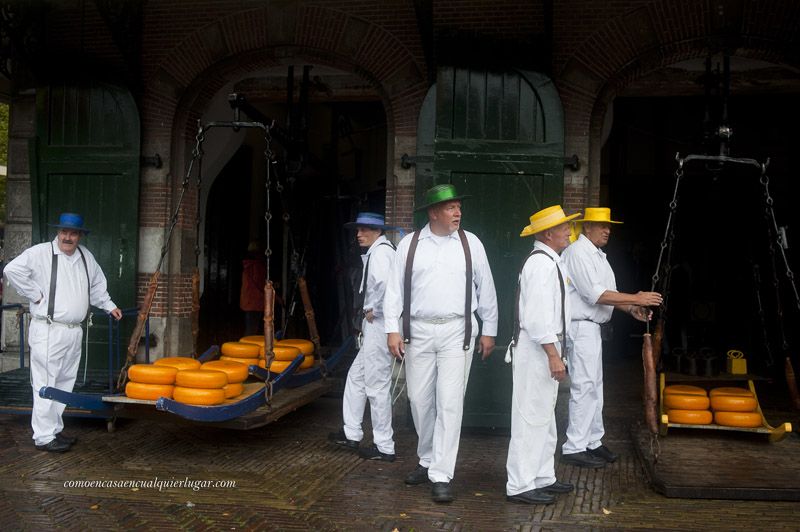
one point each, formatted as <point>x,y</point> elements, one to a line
<point>249,389</point>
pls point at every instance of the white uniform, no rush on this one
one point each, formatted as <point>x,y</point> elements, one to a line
<point>531,451</point>
<point>437,366</point>
<point>56,347</point>
<point>591,276</point>
<point>370,375</point>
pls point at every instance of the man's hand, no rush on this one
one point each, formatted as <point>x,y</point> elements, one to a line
<point>641,313</point>
<point>396,346</point>
<point>649,299</point>
<point>557,369</point>
<point>117,313</point>
<point>486,346</point>
<point>369,315</point>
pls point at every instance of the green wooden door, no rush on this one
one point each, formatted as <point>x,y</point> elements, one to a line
<point>85,159</point>
<point>500,138</point>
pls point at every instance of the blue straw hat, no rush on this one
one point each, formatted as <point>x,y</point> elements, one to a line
<point>70,220</point>
<point>369,219</point>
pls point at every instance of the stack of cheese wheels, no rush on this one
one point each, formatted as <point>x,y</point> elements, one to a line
<point>687,404</point>
<point>242,352</point>
<point>236,372</point>
<point>285,351</point>
<point>149,382</point>
<point>735,407</point>
<point>200,387</point>
<point>178,363</point>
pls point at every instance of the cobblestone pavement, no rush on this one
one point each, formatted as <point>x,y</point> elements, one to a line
<point>288,477</point>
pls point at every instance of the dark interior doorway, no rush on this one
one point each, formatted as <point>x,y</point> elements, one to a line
<point>721,231</point>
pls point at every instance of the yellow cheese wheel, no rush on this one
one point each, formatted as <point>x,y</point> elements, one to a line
<point>683,402</point>
<point>244,361</point>
<point>738,419</point>
<point>254,339</point>
<point>741,392</point>
<point>198,378</point>
<point>283,352</point>
<point>280,365</point>
<point>733,403</point>
<point>150,374</point>
<point>149,392</point>
<point>239,349</point>
<point>178,362</point>
<point>689,417</point>
<point>199,396</point>
<point>233,389</point>
<point>236,371</point>
<point>684,389</point>
<point>305,346</point>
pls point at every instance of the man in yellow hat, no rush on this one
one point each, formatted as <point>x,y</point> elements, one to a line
<point>593,296</point>
<point>440,279</point>
<point>541,315</point>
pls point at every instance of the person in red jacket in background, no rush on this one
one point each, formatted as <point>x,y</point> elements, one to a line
<point>251,297</point>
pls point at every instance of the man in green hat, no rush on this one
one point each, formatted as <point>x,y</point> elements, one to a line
<point>440,279</point>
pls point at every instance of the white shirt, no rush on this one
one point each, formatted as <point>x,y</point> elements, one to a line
<point>380,256</point>
<point>591,275</point>
<point>540,297</point>
<point>29,274</point>
<point>438,281</point>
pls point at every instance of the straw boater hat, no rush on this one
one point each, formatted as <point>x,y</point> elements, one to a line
<point>593,214</point>
<point>545,219</point>
<point>70,220</point>
<point>439,194</point>
<point>369,219</point>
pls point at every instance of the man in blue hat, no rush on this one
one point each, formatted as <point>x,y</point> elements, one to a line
<point>370,375</point>
<point>60,279</point>
<point>440,280</point>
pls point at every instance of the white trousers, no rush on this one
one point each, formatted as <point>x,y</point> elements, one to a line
<point>55,356</point>
<point>370,378</point>
<point>531,451</point>
<point>585,429</point>
<point>437,369</point>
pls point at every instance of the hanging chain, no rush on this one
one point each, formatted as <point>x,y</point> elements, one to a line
<point>770,361</point>
<point>669,232</point>
<point>198,154</point>
<point>268,155</point>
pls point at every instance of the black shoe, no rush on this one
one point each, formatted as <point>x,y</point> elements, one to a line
<point>440,492</point>
<point>372,453</point>
<point>418,476</point>
<point>603,453</point>
<point>532,497</point>
<point>339,438</point>
<point>69,440</point>
<point>583,459</point>
<point>54,446</point>
<point>558,487</point>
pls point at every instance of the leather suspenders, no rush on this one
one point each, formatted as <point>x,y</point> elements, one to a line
<point>517,296</point>
<point>412,249</point>
<point>51,300</point>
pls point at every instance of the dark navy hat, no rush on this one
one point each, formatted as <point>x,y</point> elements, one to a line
<point>70,220</point>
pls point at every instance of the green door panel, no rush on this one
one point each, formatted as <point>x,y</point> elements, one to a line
<point>85,159</point>
<point>498,137</point>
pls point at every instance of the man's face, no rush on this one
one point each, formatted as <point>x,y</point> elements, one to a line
<point>446,217</point>
<point>68,240</point>
<point>367,236</point>
<point>558,237</point>
<point>597,232</point>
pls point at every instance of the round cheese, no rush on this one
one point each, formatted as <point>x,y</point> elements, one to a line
<point>733,403</point>
<point>684,389</point>
<point>305,346</point>
<point>149,392</point>
<point>239,349</point>
<point>738,419</point>
<point>178,362</point>
<point>198,378</point>
<point>689,417</point>
<point>686,402</point>
<point>731,390</point>
<point>233,389</point>
<point>150,374</point>
<point>199,396</point>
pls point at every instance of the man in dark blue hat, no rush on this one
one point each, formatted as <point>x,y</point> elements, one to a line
<point>60,279</point>
<point>370,375</point>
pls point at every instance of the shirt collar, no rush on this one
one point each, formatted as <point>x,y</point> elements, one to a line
<point>426,232</point>
<point>377,243</point>
<point>547,249</point>
<point>583,238</point>
<point>57,251</point>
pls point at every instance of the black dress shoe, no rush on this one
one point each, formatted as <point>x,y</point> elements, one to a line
<point>583,459</point>
<point>339,438</point>
<point>603,453</point>
<point>372,453</point>
<point>532,497</point>
<point>418,476</point>
<point>69,440</point>
<point>440,492</point>
<point>54,446</point>
<point>558,487</point>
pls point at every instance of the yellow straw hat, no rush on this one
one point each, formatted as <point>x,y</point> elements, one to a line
<point>545,219</point>
<point>592,214</point>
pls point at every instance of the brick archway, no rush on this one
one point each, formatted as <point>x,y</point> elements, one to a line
<point>646,39</point>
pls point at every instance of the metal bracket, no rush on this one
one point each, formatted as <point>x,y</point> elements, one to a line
<point>573,163</point>
<point>154,161</point>
<point>407,161</point>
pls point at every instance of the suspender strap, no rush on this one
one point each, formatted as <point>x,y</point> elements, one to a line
<point>517,295</point>
<point>51,301</point>
<point>88,284</point>
<point>468,290</point>
<point>412,250</point>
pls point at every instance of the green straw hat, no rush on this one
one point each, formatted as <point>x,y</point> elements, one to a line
<point>439,194</point>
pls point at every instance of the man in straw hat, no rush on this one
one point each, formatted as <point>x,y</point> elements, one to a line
<point>370,375</point>
<point>60,279</point>
<point>541,315</point>
<point>593,296</point>
<point>440,279</point>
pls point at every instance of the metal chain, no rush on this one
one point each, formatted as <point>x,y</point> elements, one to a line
<point>770,361</point>
<point>669,233</point>
<point>268,154</point>
<point>198,153</point>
